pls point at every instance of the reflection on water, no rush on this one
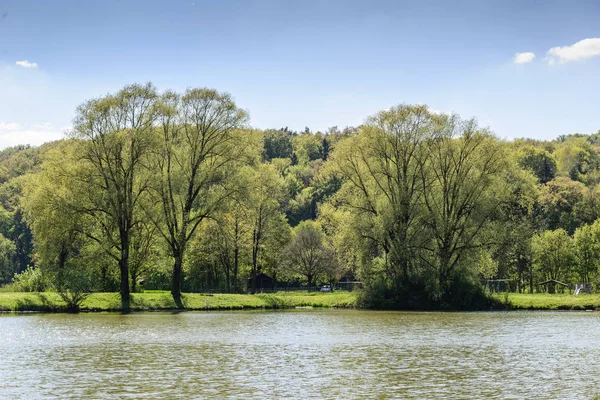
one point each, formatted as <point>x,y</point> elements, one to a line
<point>301,354</point>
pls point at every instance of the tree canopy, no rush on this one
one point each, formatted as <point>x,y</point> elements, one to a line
<point>167,190</point>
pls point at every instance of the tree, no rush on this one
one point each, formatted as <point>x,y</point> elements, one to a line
<point>511,230</point>
<point>116,133</point>
<point>7,253</point>
<point>263,205</point>
<point>538,161</point>
<point>558,202</point>
<point>382,169</point>
<point>307,148</point>
<point>464,190</point>
<point>277,236</point>
<point>224,242</point>
<point>145,252</point>
<point>576,158</point>
<point>277,144</point>
<point>199,148</point>
<point>63,250</point>
<point>554,256</point>
<point>307,254</point>
<point>587,247</point>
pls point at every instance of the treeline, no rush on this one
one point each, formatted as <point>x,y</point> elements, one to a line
<point>176,191</point>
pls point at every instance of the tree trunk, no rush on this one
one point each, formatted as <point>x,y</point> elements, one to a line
<point>520,274</point>
<point>228,276</point>
<point>124,267</point>
<point>236,259</point>
<point>444,274</point>
<point>133,283</point>
<point>530,277</point>
<point>236,256</point>
<point>255,249</point>
<point>254,269</point>
<point>177,278</point>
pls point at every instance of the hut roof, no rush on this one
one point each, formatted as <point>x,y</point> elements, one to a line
<point>553,281</point>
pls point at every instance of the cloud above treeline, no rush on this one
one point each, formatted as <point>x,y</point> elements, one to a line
<point>26,64</point>
<point>524,58</point>
<point>13,133</point>
<point>581,50</point>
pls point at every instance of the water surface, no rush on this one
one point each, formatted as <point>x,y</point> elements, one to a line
<point>309,354</point>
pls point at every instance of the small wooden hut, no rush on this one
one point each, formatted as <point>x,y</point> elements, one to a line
<point>550,284</point>
<point>263,281</point>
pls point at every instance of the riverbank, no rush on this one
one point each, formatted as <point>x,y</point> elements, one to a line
<point>162,300</point>
<point>159,300</point>
<point>543,301</point>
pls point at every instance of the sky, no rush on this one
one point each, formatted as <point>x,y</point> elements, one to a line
<point>521,68</point>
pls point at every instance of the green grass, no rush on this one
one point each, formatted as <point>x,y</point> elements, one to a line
<point>543,301</point>
<point>158,300</point>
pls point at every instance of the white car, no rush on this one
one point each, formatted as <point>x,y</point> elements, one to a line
<point>325,288</point>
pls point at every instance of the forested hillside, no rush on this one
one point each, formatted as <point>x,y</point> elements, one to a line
<point>176,191</point>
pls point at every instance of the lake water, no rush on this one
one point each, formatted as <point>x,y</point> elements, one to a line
<point>301,354</point>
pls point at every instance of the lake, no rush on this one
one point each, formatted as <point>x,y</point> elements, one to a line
<point>306,354</point>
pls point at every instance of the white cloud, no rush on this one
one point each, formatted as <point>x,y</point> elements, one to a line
<point>523,58</point>
<point>437,112</point>
<point>26,64</point>
<point>9,126</point>
<point>581,50</point>
<point>13,133</point>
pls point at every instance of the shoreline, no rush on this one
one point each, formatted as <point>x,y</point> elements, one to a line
<point>50,302</point>
<point>161,301</point>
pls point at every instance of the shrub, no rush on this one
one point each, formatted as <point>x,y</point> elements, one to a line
<point>30,280</point>
<point>73,285</point>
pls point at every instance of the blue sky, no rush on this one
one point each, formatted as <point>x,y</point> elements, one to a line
<point>308,63</point>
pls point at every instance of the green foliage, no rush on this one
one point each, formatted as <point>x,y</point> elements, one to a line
<point>587,247</point>
<point>174,191</point>
<point>7,253</point>
<point>576,158</point>
<point>30,280</point>
<point>277,144</point>
<point>539,162</point>
<point>308,255</point>
<point>73,285</point>
<point>423,187</point>
<point>554,256</point>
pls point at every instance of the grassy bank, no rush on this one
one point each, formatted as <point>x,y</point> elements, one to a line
<point>156,300</point>
<point>541,301</point>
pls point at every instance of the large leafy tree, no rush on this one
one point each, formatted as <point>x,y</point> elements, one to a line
<point>116,137</point>
<point>263,205</point>
<point>559,202</point>
<point>7,266</point>
<point>308,254</point>
<point>539,161</point>
<point>463,177</point>
<point>277,144</point>
<point>382,172</point>
<point>587,247</point>
<point>554,255</point>
<point>200,144</point>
